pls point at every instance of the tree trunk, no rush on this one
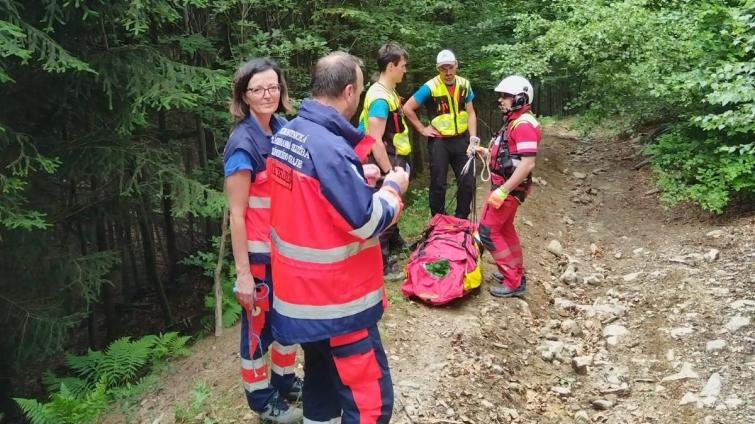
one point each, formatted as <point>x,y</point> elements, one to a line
<point>145,229</point>
<point>189,168</point>
<point>202,148</point>
<point>127,278</point>
<point>129,243</point>
<point>201,140</point>
<point>167,204</point>
<point>218,272</point>
<point>106,291</point>
<point>115,233</point>
<point>551,99</point>
<point>91,330</point>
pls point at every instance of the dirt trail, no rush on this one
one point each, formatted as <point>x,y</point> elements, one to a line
<point>639,293</point>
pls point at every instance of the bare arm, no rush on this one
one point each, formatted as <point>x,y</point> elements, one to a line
<point>377,129</point>
<point>237,189</point>
<point>410,111</point>
<point>520,173</point>
<point>472,119</point>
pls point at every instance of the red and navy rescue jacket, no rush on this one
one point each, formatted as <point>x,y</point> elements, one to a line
<point>249,137</point>
<point>326,259</point>
<point>522,135</point>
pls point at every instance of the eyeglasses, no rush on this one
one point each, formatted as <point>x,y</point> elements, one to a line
<point>260,91</point>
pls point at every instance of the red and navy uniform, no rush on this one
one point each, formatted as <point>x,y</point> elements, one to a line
<point>250,143</point>
<point>327,265</point>
<point>497,230</point>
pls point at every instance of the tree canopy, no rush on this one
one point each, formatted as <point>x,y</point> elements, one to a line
<point>115,114</point>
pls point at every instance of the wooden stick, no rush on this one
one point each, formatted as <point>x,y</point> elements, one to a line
<point>218,272</point>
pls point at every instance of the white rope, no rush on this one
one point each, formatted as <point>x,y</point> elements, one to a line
<point>485,165</point>
<point>484,175</point>
<point>485,158</point>
<point>465,169</point>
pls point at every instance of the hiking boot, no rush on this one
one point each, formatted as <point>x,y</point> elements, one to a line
<point>500,290</point>
<point>278,411</point>
<point>398,244</point>
<point>294,393</point>
<point>498,277</point>
<point>392,272</point>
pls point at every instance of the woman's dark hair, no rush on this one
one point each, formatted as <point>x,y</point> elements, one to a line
<point>238,106</point>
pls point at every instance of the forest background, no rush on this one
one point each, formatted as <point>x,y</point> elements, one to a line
<point>114,117</point>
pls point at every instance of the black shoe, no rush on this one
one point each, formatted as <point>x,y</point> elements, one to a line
<point>295,392</point>
<point>498,277</point>
<point>499,290</point>
<point>397,244</point>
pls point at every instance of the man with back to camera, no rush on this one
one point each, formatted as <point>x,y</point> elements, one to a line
<point>326,259</point>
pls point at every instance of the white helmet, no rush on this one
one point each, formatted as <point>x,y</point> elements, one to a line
<point>519,87</point>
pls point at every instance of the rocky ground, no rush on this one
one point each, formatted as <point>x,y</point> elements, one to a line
<point>635,314</point>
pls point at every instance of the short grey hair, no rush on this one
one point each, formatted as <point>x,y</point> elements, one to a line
<point>333,73</point>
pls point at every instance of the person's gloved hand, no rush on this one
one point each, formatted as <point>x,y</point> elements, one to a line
<point>497,197</point>
<point>371,173</point>
<point>474,142</point>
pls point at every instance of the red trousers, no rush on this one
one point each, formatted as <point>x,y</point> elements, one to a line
<point>347,376</point>
<point>500,238</point>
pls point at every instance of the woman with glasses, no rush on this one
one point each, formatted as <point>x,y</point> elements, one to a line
<point>259,94</point>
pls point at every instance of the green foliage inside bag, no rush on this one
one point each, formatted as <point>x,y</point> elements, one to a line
<point>438,268</point>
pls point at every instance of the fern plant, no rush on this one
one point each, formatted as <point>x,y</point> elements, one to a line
<point>86,366</point>
<point>101,376</point>
<point>35,412</point>
<point>66,407</point>
<point>124,359</point>
<point>231,307</point>
<point>78,386</point>
<point>169,345</point>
